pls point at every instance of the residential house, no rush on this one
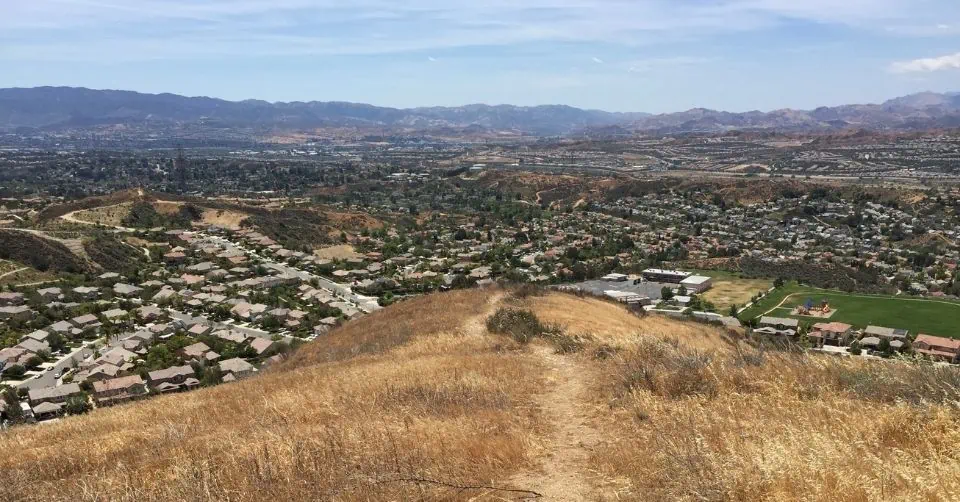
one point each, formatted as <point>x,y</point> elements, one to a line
<point>126,290</point>
<point>262,345</point>
<point>62,327</point>
<point>118,356</point>
<point>199,329</point>
<point>48,295</point>
<point>16,313</point>
<point>10,299</point>
<point>114,315</point>
<point>47,411</point>
<point>118,390</point>
<point>173,379</point>
<point>830,333</point>
<point>777,326</point>
<point>235,369</point>
<point>11,355</point>
<point>85,321</point>
<point>938,348</point>
<point>86,293</point>
<point>54,394</point>
<point>199,351</point>
<point>33,346</point>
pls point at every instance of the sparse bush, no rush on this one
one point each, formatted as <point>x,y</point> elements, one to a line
<point>521,325</point>
<point>566,344</point>
<point>529,290</point>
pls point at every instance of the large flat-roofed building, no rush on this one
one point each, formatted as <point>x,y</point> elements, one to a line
<point>697,283</point>
<point>628,297</point>
<point>661,275</point>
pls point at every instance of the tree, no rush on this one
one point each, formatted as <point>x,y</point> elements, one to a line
<point>855,348</point>
<point>56,342</point>
<point>34,361</point>
<point>733,310</point>
<point>778,282</point>
<point>666,293</point>
<point>885,348</point>
<point>13,411</point>
<point>271,322</point>
<point>211,376</point>
<point>14,372</point>
<point>77,405</point>
<point>682,290</point>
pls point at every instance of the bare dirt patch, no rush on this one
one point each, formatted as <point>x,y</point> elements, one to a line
<point>111,216</point>
<point>727,292</point>
<point>341,252</point>
<point>167,207</point>
<point>352,221</point>
<point>224,218</point>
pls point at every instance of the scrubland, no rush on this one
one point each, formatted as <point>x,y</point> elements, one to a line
<point>566,399</point>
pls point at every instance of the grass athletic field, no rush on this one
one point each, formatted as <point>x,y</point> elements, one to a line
<point>919,315</point>
<point>731,289</point>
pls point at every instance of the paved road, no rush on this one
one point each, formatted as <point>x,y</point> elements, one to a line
<point>190,319</point>
<point>46,379</point>
<point>365,303</point>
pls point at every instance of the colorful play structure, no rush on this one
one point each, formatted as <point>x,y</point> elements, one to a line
<point>808,308</point>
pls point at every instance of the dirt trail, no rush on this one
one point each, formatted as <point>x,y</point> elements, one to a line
<point>477,325</point>
<point>14,272</point>
<point>564,473</point>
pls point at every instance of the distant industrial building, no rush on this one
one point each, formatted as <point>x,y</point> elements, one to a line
<point>697,284</point>
<point>628,297</point>
<point>660,275</point>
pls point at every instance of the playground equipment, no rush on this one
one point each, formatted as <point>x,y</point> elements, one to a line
<point>808,308</point>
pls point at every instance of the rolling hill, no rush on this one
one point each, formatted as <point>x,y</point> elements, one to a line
<point>58,108</point>
<point>499,395</point>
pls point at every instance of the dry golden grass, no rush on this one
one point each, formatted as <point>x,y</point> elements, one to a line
<point>352,221</point>
<point>107,215</point>
<point>610,323</point>
<point>167,207</point>
<point>727,292</point>
<point>223,218</point>
<point>716,426</point>
<point>645,409</point>
<point>341,252</point>
<point>440,407</point>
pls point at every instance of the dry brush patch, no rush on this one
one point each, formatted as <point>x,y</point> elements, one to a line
<point>395,326</point>
<point>739,425</point>
<point>439,408</point>
<point>611,323</point>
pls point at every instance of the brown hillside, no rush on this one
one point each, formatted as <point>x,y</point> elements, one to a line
<point>420,401</point>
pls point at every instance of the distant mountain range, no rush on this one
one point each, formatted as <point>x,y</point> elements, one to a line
<point>60,108</point>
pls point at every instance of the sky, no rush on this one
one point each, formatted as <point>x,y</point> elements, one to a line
<point>652,56</point>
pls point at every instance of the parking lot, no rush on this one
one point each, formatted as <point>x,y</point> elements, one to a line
<point>648,289</point>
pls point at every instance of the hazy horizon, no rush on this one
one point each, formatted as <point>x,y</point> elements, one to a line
<point>654,56</point>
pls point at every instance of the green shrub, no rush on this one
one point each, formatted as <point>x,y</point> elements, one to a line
<point>520,324</point>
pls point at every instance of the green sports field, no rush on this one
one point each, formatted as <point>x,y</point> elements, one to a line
<point>918,315</point>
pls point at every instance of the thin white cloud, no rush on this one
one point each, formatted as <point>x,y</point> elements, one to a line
<point>431,59</point>
<point>131,30</point>
<point>596,60</point>
<point>653,64</point>
<point>927,65</point>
